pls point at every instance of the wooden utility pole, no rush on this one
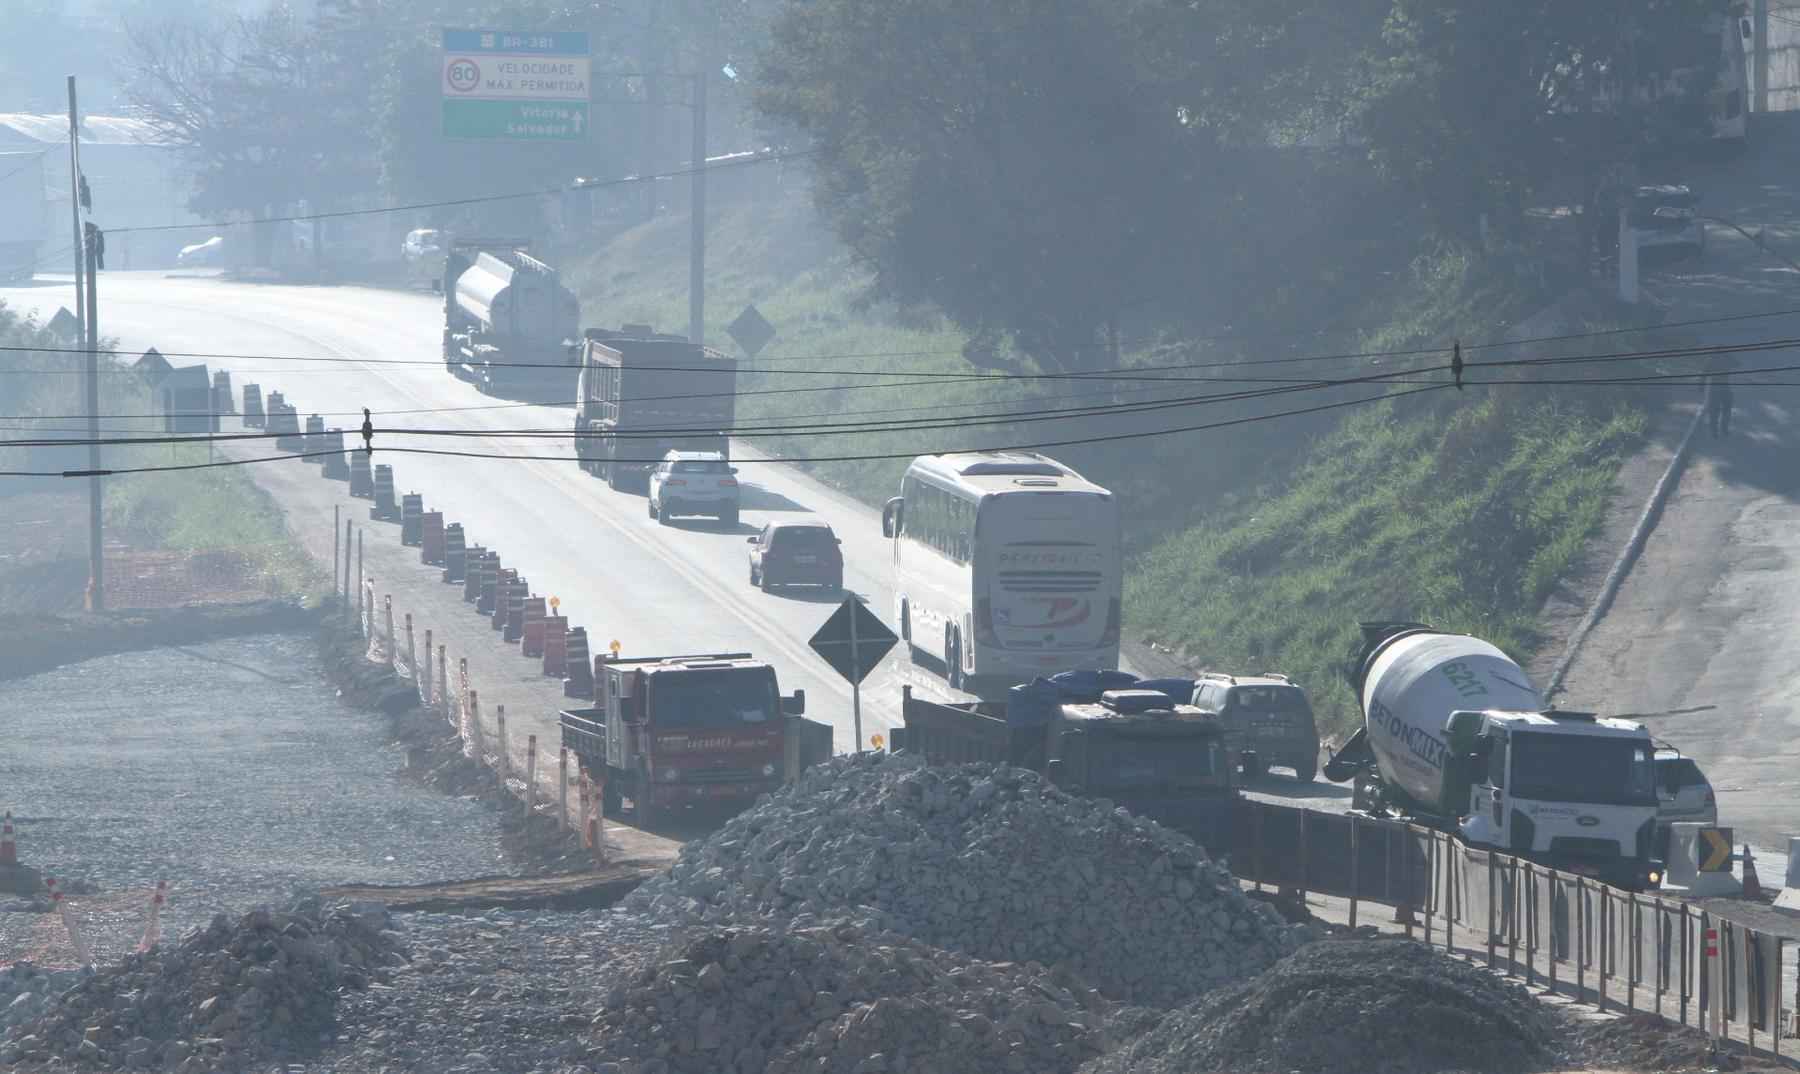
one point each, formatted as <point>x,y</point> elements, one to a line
<point>697,233</point>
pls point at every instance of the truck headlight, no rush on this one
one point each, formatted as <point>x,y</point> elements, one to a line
<point>768,770</point>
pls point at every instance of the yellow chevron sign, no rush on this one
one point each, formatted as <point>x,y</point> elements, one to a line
<point>1715,850</point>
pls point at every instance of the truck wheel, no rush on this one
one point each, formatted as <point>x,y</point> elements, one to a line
<point>612,802</point>
<point>644,810</point>
<point>611,473</point>
<point>1252,764</point>
<point>754,579</point>
<point>1306,771</point>
<point>650,506</point>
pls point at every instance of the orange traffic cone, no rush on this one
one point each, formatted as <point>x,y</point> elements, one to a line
<point>9,850</point>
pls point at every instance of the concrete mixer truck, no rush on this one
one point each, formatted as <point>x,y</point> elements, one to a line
<point>1456,735</point>
<point>508,322</point>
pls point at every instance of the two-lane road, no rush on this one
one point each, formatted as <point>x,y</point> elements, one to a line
<point>677,588</point>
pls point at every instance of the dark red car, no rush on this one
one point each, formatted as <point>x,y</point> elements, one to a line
<point>797,552</point>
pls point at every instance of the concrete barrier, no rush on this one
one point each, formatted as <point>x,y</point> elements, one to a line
<point>431,538</point>
<point>1789,899</point>
<point>455,552</point>
<point>1682,875</point>
<point>412,511</point>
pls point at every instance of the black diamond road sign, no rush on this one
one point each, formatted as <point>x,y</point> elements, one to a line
<point>64,323</point>
<point>751,331</point>
<point>872,640</point>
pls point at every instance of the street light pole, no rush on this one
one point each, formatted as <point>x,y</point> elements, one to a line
<point>75,251</point>
<point>697,240</point>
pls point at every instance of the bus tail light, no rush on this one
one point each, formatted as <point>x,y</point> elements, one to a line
<point>984,623</point>
<point>1111,637</point>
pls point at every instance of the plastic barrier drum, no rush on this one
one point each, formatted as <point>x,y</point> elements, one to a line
<point>412,507</point>
<point>253,406</point>
<point>337,466</point>
<point>315,439</point>
<point>362,483</point>
<point>503,595</point>
<point>578,675</point>
<point>385,509</point>
<point>515,614</point>
<point>531,631</point>
<point>480,559</point>
<point>556,644</point>
<point>455,553</point>
<point>431,538</point>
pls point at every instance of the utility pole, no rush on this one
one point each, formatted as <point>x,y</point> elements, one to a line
<point>75,195</point>
<point>1759,31</point>
<point>96,550</point>
<point>697,241</point>
<point>653,114</point>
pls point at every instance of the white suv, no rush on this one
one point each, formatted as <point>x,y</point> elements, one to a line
<point>694,483</point>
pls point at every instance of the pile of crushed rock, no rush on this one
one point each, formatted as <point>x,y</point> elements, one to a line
<point>838,1000</point>
<point>27,990</point>
<point>1379,1006</point>
<point>987,860</point>
<point>224,996</point>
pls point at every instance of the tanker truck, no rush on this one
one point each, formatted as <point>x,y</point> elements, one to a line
<point>508,321</point>
<point>1455,735</point>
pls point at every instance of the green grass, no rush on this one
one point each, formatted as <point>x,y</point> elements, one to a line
<point>176,510</point>
<point>1256,547</point>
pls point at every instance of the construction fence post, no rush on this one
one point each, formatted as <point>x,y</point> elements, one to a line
<point>562,786</point>
<point>505,765</point>
<point>443,683</point>
<point>347,526</point>
<point>337,543</point>
<point>425,676</point>
<point>1355,861</point>
<point>530,782</point>
<point>472,742</point>
<point>393,649</point>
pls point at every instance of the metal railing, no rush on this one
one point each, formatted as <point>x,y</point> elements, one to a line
<point>1618,949</point>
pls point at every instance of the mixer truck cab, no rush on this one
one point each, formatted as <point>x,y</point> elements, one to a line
<point>1455,735</point>
<point>1572,790</point>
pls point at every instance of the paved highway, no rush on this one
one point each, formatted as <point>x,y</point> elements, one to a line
<point>679,588</point>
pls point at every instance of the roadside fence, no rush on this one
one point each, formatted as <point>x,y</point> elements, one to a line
<point>1570,934</point>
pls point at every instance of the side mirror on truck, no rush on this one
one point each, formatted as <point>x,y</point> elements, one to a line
<point>890,516</point>
<point>794,705</point>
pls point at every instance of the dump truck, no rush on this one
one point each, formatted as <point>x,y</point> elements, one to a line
<point>1153,756</point>
<point>641,394</point>
<point>508,321</point>
<point>670,732</point>
<point>1455,735</point>
<point>24,216</point>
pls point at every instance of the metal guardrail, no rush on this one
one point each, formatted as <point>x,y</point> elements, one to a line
<point>1620,950</point>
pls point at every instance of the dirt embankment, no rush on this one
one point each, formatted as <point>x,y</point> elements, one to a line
<point>33,643</point>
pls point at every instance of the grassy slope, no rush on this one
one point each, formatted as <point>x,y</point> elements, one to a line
<point>190,510</point>
<point>1458,509</point>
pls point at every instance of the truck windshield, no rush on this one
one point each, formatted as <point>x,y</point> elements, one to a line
<point>725,698</point>
<point>1117,762</point>
<point>1578,768</point>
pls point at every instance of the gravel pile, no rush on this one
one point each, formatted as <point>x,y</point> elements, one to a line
<point>227,994</point>
<point>837,1000</point>
<point>987,860</point>
<point>1384,1006</point>
<point>26,991</point>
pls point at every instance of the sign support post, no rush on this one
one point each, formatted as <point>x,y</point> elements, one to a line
<point>853,642</point>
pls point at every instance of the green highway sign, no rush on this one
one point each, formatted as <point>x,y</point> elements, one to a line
<point>522,121</point>
<point>521,86</point>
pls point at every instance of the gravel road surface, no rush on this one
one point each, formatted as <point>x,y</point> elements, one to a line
<point>229,770</point>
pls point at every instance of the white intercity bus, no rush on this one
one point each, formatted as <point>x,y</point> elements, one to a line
<point>1006,565</point>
